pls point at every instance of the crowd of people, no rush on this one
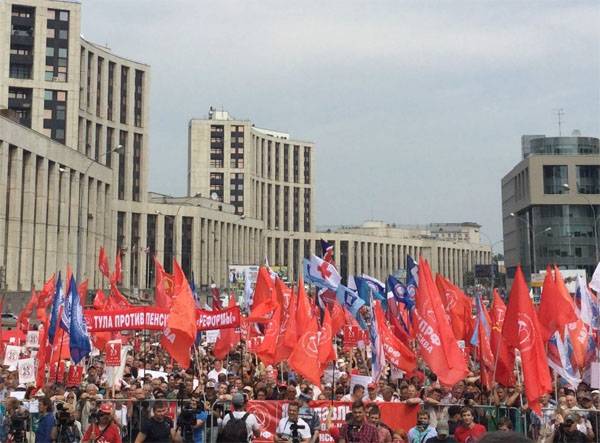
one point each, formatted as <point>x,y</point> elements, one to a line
<point>208,403</point>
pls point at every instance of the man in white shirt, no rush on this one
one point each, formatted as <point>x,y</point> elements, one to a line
<point>219,369</point>
<point>292,426</point>
<point>252,426</point>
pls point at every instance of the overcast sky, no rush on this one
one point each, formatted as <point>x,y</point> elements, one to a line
<point>416,108</point>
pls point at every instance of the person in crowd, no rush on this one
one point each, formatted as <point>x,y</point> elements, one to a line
<point>443,434</point>
<point>358,393</point>
<point>566,430</point>
<point>308,415</point>
<point>292,428</point>
<point>385,436</point>
<point>46,425</point>
<point>423,430</point>
<point>468,430</point>
<point>105,430</point>
<point>238,424</point>
<point>158,428</point>
<point>359,429</point>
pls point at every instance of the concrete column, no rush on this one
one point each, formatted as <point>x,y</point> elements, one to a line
<point>13,241</point>
<point>41,212</point>
<point>99,239</point>
<point>52,221</point>
<point>28,220</point>
<point>89,222</point>
<point>4,185</point>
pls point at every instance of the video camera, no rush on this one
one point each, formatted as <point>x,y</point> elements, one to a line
<point>294,427</point>
<point>63,416</point>
<point>18,425</point>
<point>187,421</point>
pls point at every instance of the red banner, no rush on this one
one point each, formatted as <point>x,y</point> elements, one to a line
<point>151,318</point>
<point>113,353</point>
<point>268,413</point>
<point>352,335</point>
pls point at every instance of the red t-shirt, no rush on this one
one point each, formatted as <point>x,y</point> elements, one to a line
<point>110,435</point>
<point>462,434</point>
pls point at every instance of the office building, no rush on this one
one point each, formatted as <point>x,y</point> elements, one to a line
<point>551,204</point>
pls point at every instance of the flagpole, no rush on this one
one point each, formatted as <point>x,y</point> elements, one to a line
<point>62,336</point>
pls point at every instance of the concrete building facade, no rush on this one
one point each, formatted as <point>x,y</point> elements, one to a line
<point>74,177</point>
<point>551,205</point>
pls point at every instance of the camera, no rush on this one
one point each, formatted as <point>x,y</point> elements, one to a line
<point>294,428</point>
<point>63,417</point>
<point>18,425</point>
<point>186,422</point>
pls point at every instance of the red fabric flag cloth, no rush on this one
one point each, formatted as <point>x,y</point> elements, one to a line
<point>118,274</point>
<point>163,288</point>
<point>43,355</point>
<point>557,308</point>
<point>228,338</point>
<point>338,318</point>
<point>505,357</point>
<point>60,349</point>
<point>522,331</point>
<point>46,294</point>
<point>100,301</point>
<point>180,331</point>
<point>283,347</point>
<point>578,336</point>
<point>436,340</point>
<point>459,308</point>
<point>326,349</point>
<point>25,314</point>
<point>263,300</point>
<point>116,300</point>
<point>396,352</point>
<point>216,297</point>
<point>103,263</point>
<point>305,320</point>
<point>484,347</point>
<point>290,336</point>
<point>304,359</point>
<point>266,350</point>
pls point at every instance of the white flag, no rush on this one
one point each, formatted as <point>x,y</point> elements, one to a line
<point>11,356</point>
<point>595,283</point>
<point>26,371</point>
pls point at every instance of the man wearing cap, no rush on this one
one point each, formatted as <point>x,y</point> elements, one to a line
<point>373,394</point>
<point>105,431</point>
<point>239,412</point>
<point>566,430</point>
<point>443,434</point>
<point>308,415</point>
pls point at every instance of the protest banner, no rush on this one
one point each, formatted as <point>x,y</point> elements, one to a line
<point>113,353</point>
<point>26,371</point>
<point>11,356</point>
<point>154,319</point>
<point>33,339</point>
<point>268,414</point>
<point>74,375</point>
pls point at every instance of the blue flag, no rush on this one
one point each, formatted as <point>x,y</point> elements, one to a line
<point>377,289</point>
<point>57,302</point>
<point>79,338</point>
<point>65,318</point>
<point>350,300</point>
<point>412,277</point>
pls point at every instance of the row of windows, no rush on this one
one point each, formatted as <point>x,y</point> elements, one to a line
<point>556,179</point>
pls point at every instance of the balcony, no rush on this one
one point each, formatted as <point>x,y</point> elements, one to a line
<point>21,59</point>
<point>21,38</point>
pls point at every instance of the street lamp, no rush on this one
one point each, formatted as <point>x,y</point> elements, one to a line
<point>120,149</point>
<point>492,244</point>
<point>532,235</point>
<point>595,220</point>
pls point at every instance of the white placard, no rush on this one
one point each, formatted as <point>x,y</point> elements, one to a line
<point>19,395</point>
<point>212,335</point>
<point>33,339</point>
<point>11,356</point>
<point>26,371</point>
<point>362,380</point>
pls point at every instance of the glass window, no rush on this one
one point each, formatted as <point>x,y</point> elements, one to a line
<point>49,51</point>
<point>49,75</point>
<point>63,34</point>
<point>62,52</point>
<point>64,16</point>
<point>61,96</point>
<point>51,14</point>
<point>555,176</point>
<point>47,95</point>
<point>588,179</point>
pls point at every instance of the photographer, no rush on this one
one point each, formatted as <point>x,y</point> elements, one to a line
<point>67,429</point>
<point>46,425</point>
<point>292,429</point>
<point>567,430</point>
<point>105,430</point>
<point>17,419</point>
<point>190,422</point>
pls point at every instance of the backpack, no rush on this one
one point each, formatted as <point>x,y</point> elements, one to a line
<point>235,430</point>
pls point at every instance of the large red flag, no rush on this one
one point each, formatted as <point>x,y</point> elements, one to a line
<point>163,289</point>
<point>43,355</point>
<point>116,300</point>
<point>523,332</point>
<point>304,359</point>
<point>103,263</point>
<point>216,297</point>
<point>100,300</point>
<point>118,274</point>
<point>25,314</point>
<point>284,299</point>
<point>180,331</point>
<point>396,352</point>
<point>266,350</point>
<point>326,349</point>
<point>434,334</point>
<point>459,308</point>
<point>505,357</point>
<point>228,338</point>
<point>338,318</point>
<point>305,319</point>
<point>263,300</point>
<point>290,338</point>
<point>556,307</point>
<point>483,344</point>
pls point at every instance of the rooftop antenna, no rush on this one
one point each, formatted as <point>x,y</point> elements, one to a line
<point>559,113</point>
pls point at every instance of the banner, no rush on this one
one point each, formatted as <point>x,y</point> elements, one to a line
<point>11,356</point>
<point>151,318</point>
<point>113,353</point>
<point>268,414</point>
<point>26,371</point>
<point>74,375</point>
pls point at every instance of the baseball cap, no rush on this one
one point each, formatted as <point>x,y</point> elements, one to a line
<point>237,399</point>
<point>442,428</point>
<point>371,385</point>
<point>106,408</point>
<point>210,384</point>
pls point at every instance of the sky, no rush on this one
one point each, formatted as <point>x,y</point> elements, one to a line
<point>416,107</point>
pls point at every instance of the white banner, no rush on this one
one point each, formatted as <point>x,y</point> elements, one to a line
<point>26,371</point>
<point>212,335</point>
<point>11,356</point>
<point>33,339</point>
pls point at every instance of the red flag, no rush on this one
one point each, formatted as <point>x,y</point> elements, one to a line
<point>263,300</point>
<point>338,318</point>
<point>100,301</point>
<point>267,349</point>
<point>25,314</point>
<point>434,334</point>
<point>483,347</point>
<point>396,352</point>
<point>505,357</point>
<point>43,355</point>
<point>522,331</point>
<point>578,336</point>
<point>103,263</point>
<point>118,274</point>
<point>305,319</point>
<point>180,331</point>
<point>216,297</point>
<point>304,359</point>
<point>326,349</point>
<point>163,290</point>
<point>556,307</point>
<point>290,337</point>
<point>46,294</point>
<point>459,308</point>
<point>116,300</point>
<point>228,338</point>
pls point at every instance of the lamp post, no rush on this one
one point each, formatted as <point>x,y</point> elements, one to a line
<point>492,244</point>
<point>595,220</point>
<point>120,149</point>
<point>532,235</point>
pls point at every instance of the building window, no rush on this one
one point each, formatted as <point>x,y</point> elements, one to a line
<point>168,236</point>
<point>55,109</point>
<point>57,46</point>
<point>137,167</point>
<point>216,185</point>
<point>150,249</point>
<point>237,147</point>
<point>138,105</point>
<point>100,63</point>
<point>236,192</point>
<point>109,146</point>
<point>217,146</point>
<point>555,176</point>
<point>296,161</point>
<point>120,231</point>
<point>187,225</point>
<point>21,42</point>
<point>588,179</point>
<point>121,172</point>
<point>286,162</point>
<point>123,108</point>
<point>295,205</point>
<point>110,90</point>
<point>307,165</point>
<point>134,248</point>
<point>277,158</point>
<point>307,207</point>
<point>19,101</point>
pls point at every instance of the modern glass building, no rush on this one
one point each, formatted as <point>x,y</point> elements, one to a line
<point>551,205</point>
